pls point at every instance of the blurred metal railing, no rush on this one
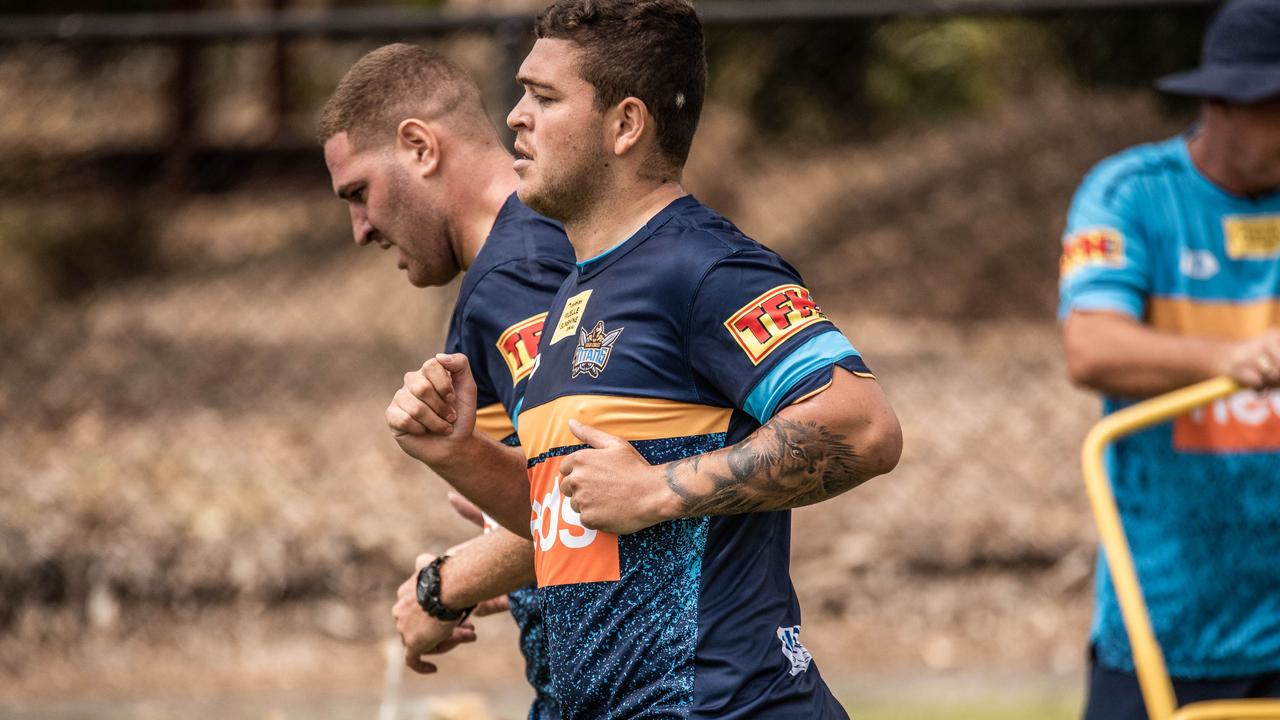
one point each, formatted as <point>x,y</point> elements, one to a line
<point>240,25</point>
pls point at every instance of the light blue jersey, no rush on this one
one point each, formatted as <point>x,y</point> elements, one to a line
<point>1150,237</point>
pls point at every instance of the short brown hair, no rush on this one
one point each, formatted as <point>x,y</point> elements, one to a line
<point>647,49</point>
<point>396,82</point>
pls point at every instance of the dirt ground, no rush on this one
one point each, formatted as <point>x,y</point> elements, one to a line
<point>200,502</point>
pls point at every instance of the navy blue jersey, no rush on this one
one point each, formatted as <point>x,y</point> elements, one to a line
<point>683,339</point>
<point>496,323</point>
<point>498,316</point>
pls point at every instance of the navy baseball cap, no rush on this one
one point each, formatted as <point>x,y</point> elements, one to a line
<point>1240,60</point>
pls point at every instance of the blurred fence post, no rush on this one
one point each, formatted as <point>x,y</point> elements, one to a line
<point>182,92</point>
<point>512,36</point>
<point>281,100</point>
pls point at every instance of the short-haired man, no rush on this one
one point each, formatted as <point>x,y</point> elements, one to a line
<point>410,148</point>
<point>688,392</point>
<point>1171,275</point>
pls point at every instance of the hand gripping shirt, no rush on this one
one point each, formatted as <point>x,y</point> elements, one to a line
<point>496,323</point>
<point>682,339</point>
<point>1148,236</point>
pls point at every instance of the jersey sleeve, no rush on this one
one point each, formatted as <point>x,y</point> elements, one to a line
<point>501,328</point>
<point>1104,254</point>
<point>758,337</point>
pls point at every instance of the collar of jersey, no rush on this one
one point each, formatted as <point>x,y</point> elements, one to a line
<point>1184,156</point>
<point>594,265</point>
<point>506,213</point>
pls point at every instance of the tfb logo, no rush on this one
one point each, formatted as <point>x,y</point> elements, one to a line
<point>519,346</point>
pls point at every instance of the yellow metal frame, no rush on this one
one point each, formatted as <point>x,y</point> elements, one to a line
<point>1153,676</point>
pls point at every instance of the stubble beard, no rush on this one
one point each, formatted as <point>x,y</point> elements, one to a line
<point>569,194</point>
<point>421,235</point>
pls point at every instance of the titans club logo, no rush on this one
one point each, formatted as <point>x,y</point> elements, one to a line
<point>594,349</point>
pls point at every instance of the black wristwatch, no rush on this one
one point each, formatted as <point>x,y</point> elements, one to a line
<point>429,594</point>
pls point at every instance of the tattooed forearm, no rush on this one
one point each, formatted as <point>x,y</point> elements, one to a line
<point>783,464</point>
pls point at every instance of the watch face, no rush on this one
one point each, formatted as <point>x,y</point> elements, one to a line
<point>424,589</point>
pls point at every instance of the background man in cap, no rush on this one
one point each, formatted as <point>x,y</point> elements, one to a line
<point>1171,275</point>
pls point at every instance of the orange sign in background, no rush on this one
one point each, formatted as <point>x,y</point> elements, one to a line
<point>565,552</point>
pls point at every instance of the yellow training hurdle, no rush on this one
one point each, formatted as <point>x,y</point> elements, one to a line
<point>1153,676</point>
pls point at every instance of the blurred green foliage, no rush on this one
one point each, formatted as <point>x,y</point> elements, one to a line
<point>831,80</point>
<point>47,253</point>
<point>23,7</point>
<point>923,69</point>
<point>1132,48</point>
<point>807,79</point>
<point>814,82</point>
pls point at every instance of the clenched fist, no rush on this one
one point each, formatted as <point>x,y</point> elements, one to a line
<point>434,412</point>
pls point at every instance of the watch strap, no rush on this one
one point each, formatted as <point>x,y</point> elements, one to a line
<point>429,594</point>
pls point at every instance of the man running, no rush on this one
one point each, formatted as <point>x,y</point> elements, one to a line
<point>688,392</point>
<point>410,148</point>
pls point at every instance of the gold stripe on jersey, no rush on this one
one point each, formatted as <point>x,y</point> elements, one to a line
<point>1223,320</point>
<point>492,422</point>
<point>546,427</point>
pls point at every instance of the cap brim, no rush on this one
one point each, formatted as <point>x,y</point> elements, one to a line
<point>1242,84</point>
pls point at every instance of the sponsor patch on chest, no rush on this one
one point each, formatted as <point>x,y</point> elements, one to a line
<point>1252,237</point>
<point>766,322</point>
<point>1198,264</point>
<point>571,316</point>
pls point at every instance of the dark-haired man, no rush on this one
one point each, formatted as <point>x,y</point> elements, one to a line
<point>411,150</point>
<point>688,392</point>
<point>1171,275</point>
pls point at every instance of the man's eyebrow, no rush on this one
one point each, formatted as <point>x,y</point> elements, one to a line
<point>530,82</point>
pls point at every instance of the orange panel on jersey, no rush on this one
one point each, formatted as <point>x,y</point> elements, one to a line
<point>1246,421</point>
<point>1223,320</point>
<point>565,552</point>
<point>492,422</point>
<point>547,426</point>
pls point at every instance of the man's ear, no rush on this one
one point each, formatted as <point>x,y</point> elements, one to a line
<point>627,122</point>
<point>418,138</point>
